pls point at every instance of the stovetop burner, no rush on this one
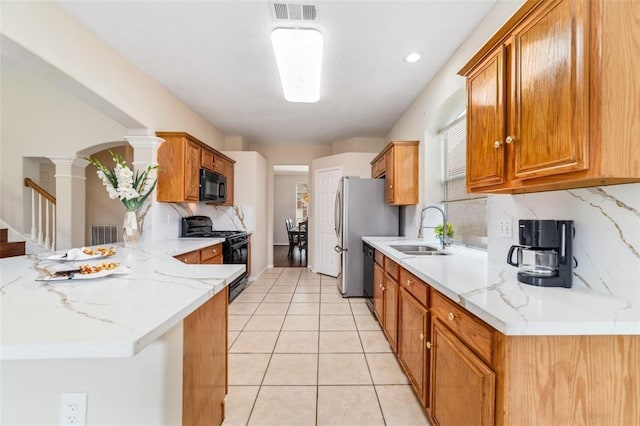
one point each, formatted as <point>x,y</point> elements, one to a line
<point>202,227</point>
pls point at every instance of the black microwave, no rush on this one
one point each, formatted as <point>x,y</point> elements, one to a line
<point>213,186</point>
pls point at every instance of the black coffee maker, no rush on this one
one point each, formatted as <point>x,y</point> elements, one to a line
<point>545,256</point>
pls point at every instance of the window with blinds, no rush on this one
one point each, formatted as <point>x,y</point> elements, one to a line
<point>466,212</point>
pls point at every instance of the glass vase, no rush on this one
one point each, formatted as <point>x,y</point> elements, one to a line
<point>131,234</point>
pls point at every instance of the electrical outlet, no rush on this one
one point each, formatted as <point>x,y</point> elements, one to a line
<point>73,409</point>
<point>505,228</point>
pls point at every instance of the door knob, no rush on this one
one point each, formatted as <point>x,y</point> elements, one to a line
<point>428,345</point>
<point>497,144</point>
<point>421,336</point>
<point>510,139</point>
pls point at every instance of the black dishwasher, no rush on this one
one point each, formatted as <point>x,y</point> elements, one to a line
<point>369,259</point>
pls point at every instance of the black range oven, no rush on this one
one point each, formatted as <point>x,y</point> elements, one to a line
<point>235,248</point>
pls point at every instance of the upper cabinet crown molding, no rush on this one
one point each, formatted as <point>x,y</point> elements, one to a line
<point>552,99</point>
<point>398,164</point>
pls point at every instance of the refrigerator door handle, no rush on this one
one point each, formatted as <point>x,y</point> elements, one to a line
<point>336,213</point>
<point>339,249</point>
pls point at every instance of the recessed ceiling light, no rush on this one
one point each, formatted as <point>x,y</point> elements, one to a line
<point>412,57</point>
<point>299,58</point>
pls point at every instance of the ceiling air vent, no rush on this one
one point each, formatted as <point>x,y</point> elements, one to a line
<point>294,11</point>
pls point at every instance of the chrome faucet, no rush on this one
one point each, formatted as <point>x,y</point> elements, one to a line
<point>444,223</point>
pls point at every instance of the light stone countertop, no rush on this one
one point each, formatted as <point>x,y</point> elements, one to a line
<point>111,317</point>
<point>491,291</point>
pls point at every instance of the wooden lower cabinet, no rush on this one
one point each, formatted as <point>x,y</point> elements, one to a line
<point>413,335</point>
<point>390,325</point>
<point>378,292</point>
<point>462,385</point>
<point>204,370</point>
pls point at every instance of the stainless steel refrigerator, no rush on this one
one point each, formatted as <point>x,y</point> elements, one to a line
<point>360,210</point>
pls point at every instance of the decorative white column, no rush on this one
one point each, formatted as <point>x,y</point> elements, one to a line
<point>70,201</point>
<point>145,152</point>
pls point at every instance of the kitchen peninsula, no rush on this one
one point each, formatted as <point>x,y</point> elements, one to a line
<point>134,343</point>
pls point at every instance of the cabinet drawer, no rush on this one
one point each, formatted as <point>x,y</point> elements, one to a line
<point>210,252</point>
<point>380,258</point>
<point>415,286</point>
<point>475,333</point>
<point>192,258</point>
<point>216,260</point>
<point>391,268</point>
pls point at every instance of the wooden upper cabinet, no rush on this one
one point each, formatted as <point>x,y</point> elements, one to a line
<point>486,122</point>
<point>551,99</point>
<point>398,165</point>
<point>229,171</point>
<point>550,105</point>
<point>181,157</point>
<point>179,175</point>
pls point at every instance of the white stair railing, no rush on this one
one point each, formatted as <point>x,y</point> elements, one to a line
<point>43,216</point>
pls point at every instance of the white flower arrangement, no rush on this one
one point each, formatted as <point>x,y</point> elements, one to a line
<point>131,188</point>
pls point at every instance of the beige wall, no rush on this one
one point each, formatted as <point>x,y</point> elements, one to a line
<point>39,119</point>
<point>358,145</point>
<point>250,192</point>
<point>284,186</point>
<point>50,34</point>
<point>430,110</point>
<point>235,143</point>
<point>300,154</point>
<point>100,209</point>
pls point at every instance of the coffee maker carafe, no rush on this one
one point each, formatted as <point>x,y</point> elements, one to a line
<point>545,256</point>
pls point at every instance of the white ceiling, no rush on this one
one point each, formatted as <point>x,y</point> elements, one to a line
<point>216,57</point>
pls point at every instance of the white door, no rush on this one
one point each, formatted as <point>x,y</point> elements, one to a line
<point>327,260</point>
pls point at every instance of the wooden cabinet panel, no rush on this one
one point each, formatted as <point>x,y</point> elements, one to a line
<point>391,311</point>
<point>462,385</point>
<point>389,176</point>
<point>550,108</point>
<point>412,339</point>
<point>391,268</point>
<point>415,286</point>
<point>204,374</point>
<point>379,258</point>
<point>210,252</point>
<point>486,123</point>
<point>229,173</point>
<point>191,171</point>
<point>206,159</point>
<point>398,164</point>
<point>475,333</point>
<point>192,257</point>
<point>219,164</point>
<point>213,261</point>
<point>378,290</point>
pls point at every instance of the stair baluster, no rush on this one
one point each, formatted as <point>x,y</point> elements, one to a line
<point>43,216</point>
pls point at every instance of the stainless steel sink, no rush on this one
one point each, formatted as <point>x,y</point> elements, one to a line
<point>420,250</point>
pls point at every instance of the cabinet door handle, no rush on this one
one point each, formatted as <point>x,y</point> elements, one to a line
<point>390,186</point>
<point>510,139</point>
<point>409,282</point>
<point>497,144</point>
<point>421,336</point>
<point>428,345</point>
<point>185,260</point>
<point>451,316</point>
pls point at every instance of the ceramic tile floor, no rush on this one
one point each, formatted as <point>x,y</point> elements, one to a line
<point>300,354</point>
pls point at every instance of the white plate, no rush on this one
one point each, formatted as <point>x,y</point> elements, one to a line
<point>75,255</point>
<point>120,270</point>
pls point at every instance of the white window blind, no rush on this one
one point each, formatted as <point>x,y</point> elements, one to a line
<point>466,212</point>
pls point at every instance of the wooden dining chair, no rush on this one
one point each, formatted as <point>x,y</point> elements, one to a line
<point>293,238</point>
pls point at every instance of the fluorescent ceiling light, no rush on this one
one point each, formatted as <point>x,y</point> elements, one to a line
<point>413,57</point>
<point>299,57</point>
